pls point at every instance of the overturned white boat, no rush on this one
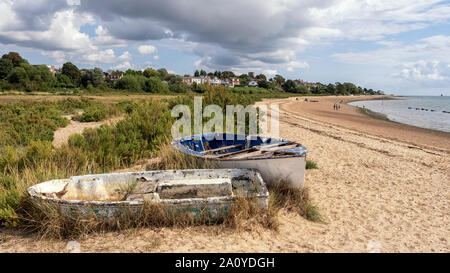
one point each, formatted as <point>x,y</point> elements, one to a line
<point>278,160</point>
<point>111,195</point>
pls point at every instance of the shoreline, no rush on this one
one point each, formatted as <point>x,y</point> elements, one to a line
<point>350,117</point>
<point>382,116</point>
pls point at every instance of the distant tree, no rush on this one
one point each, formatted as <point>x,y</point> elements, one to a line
<point>350,88</point>
<point>178,87</point>
<point>340,89</point>
<point>261,77</point>
<point>172,78</point>
<point>279,80</point>
<point>131,72</point>
<point>263,84</point>
<point>42,77</point>
<point>150,72</point>
<point>331,89</point>
<point>94,77</point>
<point>18,75</point>
<point>72,71</point>
<point>218,74</point>
<point>15,58</point>
<point>290,86</point>
<point>196,73</point>
<point>155,85</point>
<point>227,74</point>
<point>202,72</point>
<point>163,73</point>
<point>187,75</point>
<point>244,79</point>
<point>63,81</point>
<point>6,65</point>
<point>128,82</point>
<point>302,90</point>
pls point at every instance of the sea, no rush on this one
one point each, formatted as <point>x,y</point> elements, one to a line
<point>421,111</point>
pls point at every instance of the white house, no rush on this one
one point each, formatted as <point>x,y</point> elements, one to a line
<point>252,83</point>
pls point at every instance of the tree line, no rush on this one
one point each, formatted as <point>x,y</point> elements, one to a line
<point>16,73</point>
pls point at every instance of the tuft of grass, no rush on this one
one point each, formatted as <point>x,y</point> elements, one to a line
<point>311,165</point>
<point>244,214</point>
<point>296,200</point>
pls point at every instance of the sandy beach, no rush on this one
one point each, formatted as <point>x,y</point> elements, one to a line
<point>381,187</point>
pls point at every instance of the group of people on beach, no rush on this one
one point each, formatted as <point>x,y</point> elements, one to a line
<point>336,106</point>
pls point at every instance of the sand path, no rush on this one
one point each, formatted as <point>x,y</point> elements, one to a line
<point>61,135</point>
<point>376,194</point>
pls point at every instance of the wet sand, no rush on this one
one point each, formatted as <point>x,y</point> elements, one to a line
<point>378,192</point>
<point>351,117</point>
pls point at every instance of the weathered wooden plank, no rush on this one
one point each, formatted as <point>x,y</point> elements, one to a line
<point>285,147</point>
<point>222,148</point>
<point>255,148</point>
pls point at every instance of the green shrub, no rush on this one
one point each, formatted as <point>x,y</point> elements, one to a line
<point>155,85</point>
<point>311,164</point>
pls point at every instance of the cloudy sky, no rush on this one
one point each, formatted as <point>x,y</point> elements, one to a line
<point>401,46</point>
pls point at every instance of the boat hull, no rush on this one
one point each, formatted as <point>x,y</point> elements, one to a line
<point>216,206</point>
<point>289,170</point>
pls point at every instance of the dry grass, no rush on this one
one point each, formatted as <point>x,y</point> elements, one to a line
<point>296,200</point>
<point>170,159</point>
<point>48,221</point>
<point>245,214</point>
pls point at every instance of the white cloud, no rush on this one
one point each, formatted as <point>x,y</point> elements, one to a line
<point>105,56</point>
<point>425,71</point>
<point>235,35</point>
<point>122,66</point>
<point>147,49</point>
<point>270,72</point>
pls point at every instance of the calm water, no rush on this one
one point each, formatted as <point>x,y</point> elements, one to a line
<point>397,110</point>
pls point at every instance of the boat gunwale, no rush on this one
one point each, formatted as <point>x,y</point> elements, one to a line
<point>302,151</point>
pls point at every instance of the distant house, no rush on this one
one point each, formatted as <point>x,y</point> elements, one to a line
<point>253,83</point>
<point>311,84</point>
<point>187,80</point>
<point>196,80</point>
<point>113,75</point>
<point>52,69</point>
<point>299,82</point>
<point>215,80</point>
<point>235,81</point>
<point>212,80</point>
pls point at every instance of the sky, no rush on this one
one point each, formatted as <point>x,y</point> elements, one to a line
<point>401,47</point>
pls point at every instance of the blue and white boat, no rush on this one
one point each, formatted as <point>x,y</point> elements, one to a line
<point>278,160</point>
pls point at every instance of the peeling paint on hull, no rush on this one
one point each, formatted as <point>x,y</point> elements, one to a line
<point>243,183</point>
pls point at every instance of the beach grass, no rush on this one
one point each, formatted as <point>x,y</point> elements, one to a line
<point>311,165</point>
